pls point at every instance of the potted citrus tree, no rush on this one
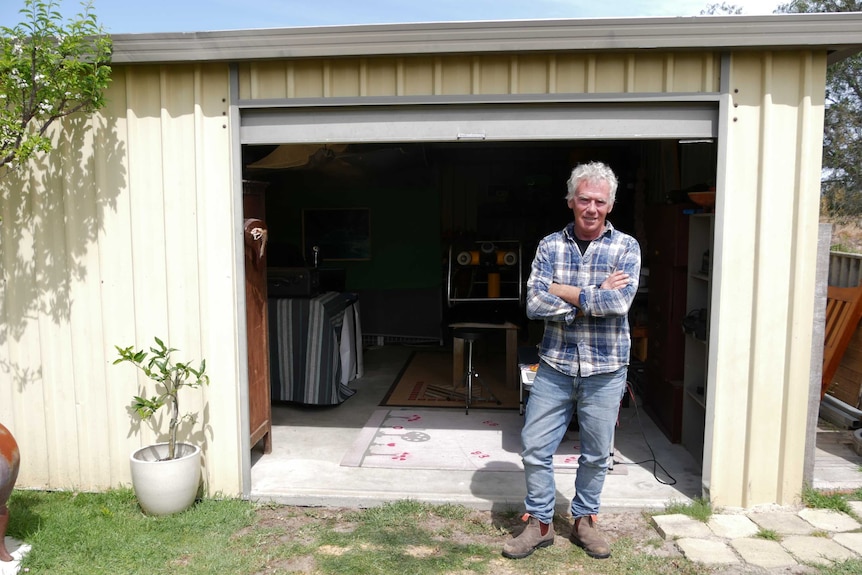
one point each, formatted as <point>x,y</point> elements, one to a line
<point>165,476</point>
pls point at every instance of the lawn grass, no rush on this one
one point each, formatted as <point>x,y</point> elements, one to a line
<point>768,534</point>
<point>106,533</point>
<point>699,509</point>
<point>93,533</point>
<point>834,500</point>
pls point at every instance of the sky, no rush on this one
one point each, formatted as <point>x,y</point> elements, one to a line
<point>131,16</point>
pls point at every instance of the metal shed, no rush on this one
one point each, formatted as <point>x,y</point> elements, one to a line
<point>133,227</point>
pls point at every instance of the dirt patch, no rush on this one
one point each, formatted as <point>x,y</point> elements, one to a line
<point>632,531</point>
<point>631,534</point>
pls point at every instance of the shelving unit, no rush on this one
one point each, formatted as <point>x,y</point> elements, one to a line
<point>667,254</point>
<point>701,230</point>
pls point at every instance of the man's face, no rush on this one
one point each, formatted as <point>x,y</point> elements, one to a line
<point>591,206</point>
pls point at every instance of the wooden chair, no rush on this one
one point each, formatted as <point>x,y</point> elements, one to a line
<point>843,312</point>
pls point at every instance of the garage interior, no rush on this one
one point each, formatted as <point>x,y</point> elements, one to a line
<point>424,198</point>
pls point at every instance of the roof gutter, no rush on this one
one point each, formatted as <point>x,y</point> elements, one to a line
<point>840,33</point>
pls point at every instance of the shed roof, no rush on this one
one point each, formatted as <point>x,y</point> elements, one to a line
<point>839,32</point>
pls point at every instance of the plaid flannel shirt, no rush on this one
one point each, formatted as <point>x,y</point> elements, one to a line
<point>597,340</point>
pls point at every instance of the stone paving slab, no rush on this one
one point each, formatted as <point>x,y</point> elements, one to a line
<point>763,553</point>
<point>782,522</point>
<point>707,551</point>
<point>819,550</point>
<point>806,536</point>
<point>678,525</point>
<point>732,526</point>
<point>830,520</point>
<point>852,541</point>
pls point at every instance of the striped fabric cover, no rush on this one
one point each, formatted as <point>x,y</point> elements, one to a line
<point>306,349</point>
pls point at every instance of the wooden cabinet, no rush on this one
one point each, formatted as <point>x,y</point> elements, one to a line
<point>666,255</point>
<point>255,235</point>
<point>701,231</point>
<point>254,199</point>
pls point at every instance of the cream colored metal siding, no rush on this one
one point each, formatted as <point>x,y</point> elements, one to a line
<point>374,81</point>
<point>416,81</point>
<point>496,75</point>
<point>581,73</point>
<point>124,232</point>
<point>765,253</point>
<point>129,230</point>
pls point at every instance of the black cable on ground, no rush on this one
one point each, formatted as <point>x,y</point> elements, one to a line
<point>653,459</point>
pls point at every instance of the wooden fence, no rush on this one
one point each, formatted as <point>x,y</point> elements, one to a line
<point>845,270</point>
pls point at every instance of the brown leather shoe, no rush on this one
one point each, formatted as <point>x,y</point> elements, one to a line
<point>534,536</point>
<point>587,536</point>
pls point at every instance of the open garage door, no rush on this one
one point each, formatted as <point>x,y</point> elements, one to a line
<point>479,122</point>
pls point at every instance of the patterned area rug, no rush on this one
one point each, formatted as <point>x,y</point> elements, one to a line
<point>426,381</point>
<point>484,440</point>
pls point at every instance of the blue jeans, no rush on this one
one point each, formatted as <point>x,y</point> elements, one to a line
<point>553,398</point>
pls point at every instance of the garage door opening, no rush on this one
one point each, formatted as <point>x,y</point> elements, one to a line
<point>422,198</point>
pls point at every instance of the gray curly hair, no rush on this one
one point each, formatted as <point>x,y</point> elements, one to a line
<point>592,172</point>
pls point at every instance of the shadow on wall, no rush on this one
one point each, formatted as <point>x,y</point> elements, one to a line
<point>49,222</point>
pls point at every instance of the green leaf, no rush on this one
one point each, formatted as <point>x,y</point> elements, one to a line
<point>48,70</point>
<point>167,375</point>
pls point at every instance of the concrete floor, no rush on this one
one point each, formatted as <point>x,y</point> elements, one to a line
<point>309,443</point>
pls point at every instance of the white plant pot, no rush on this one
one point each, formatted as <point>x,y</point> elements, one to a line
<point>165,487</point>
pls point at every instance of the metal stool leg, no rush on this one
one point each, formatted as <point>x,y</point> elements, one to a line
<point>469,376</point>
<point>611,457</point>
<point>471,373</point>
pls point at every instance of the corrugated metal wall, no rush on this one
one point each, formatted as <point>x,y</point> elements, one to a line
<point>124,232</point>
<point>130,231</point>
<point>764,279</point>
<point>501,74</point>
